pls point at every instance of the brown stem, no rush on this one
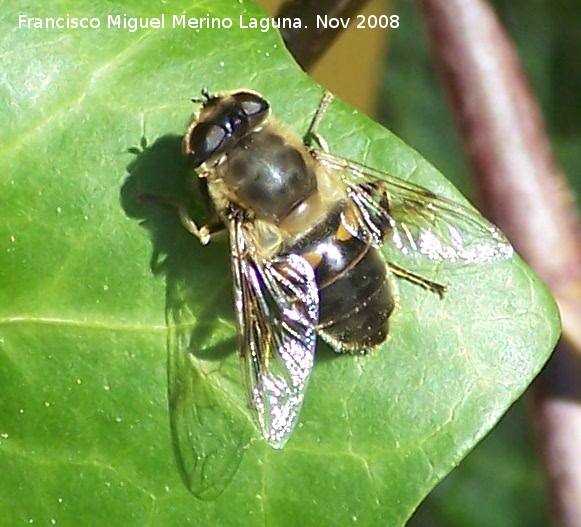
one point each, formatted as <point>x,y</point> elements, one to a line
<point>521,188</point>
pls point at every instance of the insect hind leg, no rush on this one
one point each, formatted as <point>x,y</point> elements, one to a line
<point>417,279</point>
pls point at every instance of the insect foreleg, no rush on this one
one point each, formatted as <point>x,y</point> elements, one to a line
<point>312,137</point>
<point>203,233</point>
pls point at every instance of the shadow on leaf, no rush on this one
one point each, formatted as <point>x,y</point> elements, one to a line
<point>211,426</point>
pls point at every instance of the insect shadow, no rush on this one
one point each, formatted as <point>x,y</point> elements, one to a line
<point>208,440</point>
<point>198,279</point>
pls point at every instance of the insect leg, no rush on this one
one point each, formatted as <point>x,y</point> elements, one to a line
<point>312,137</point>
<point>203,233</point>
<point>417,279</point>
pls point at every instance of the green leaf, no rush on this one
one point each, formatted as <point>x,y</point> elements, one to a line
<point>90,279</point>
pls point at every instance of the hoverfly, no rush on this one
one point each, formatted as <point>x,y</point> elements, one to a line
<point>304,230</point>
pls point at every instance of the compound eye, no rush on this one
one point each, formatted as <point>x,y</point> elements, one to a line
<point>253,106</point>
<point>204,141</point>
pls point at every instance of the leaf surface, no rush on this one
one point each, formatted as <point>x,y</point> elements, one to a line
<point>91,280</point>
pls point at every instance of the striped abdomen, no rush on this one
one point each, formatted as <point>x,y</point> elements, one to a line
<point>355,295</point>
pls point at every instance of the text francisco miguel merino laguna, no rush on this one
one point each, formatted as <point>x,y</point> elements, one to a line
<point>176,21</point>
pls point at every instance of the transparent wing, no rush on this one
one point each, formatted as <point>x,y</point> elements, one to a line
<point>419,221</point>
<point>277,305</point>
<point>210,426</point>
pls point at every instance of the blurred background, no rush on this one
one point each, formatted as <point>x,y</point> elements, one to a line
<point>389,74</point>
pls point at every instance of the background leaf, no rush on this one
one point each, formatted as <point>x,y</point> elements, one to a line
<point>88,274</point>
